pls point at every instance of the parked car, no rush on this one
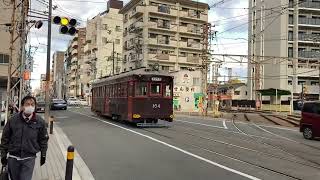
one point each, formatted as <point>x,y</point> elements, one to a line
<point>41,106</point>
<point>310,120</point>
<point>83,102</point>
<point>73,102</point>
<point>58,104</point>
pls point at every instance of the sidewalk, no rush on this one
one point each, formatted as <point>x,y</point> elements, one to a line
<point>54,168</point>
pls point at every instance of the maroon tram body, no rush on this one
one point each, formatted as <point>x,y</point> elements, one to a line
<point>137,96</point>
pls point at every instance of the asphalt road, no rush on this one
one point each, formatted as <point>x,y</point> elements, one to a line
<point>191,148</point>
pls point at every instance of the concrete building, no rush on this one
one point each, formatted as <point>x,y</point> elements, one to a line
<point>187,91</point>
<point>5,18</point>
<point>104,41</point>
<point>58,74</point>
<point>74,58</point>
<point>163,34</point>
<point>293,35</point>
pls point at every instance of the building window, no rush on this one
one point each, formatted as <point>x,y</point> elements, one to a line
<point>314,83</point>
<point>152,51</point>
<point>290,66</point>
<point>246,93</point>
<point>301,82</point>
<point>183,39</point>
<point>290,51</point>
<point>290,35</point>
<point>125,17</point>
<point>237,93</point>
<point>104,27</point>
<point>117,41</point>
<point>164,9</point>
<point>165,68</point>
<point>152,35</point>
<point>4,59</point>
<point>183,54</point>
<point>118,29</point>
<point>153,19</point>
<point>290,19</point>
<point>196,81</point>
<point>289,82</point>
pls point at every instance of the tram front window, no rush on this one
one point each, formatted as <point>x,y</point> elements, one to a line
<point>141,89</point>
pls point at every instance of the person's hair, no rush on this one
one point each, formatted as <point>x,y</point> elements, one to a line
<point>28,98</point>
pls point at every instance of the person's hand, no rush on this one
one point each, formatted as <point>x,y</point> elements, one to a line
<point>42,160</point>
<point>4,161</point>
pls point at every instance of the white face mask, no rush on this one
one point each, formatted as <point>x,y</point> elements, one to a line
<point>29,109</point>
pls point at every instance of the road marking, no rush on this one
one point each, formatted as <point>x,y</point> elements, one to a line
<point>275,134</point>
<point>208,125</point>
<point>282,128</point>
<point>224,124</point>
<point>176,148</point>
<point>62,117</point>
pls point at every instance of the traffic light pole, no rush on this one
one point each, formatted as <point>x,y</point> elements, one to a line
<point>47,108</point>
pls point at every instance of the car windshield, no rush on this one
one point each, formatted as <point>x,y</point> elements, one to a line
<point>58,101</point>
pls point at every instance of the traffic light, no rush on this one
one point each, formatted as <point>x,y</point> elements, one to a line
<point>67,26</point>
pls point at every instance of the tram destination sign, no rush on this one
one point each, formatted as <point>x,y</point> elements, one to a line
<point>156,79</point>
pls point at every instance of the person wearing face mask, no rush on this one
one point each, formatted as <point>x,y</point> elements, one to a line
<point>24,135</point>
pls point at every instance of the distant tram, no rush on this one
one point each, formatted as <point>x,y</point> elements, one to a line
<point>138,96</point>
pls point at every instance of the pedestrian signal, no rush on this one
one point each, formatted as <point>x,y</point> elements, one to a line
<point>67,26</point>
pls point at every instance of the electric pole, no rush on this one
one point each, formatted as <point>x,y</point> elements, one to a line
<point>47,107</point>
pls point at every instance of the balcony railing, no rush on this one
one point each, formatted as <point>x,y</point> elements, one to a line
<point>308,54</point>
<point>311,5</point>
<point>193,59</point>
<point>309,21</point>
<point>163,56</point>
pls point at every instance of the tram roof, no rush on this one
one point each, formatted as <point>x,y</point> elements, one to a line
<point>134,72</point>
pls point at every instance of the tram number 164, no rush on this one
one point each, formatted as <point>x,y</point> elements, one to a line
<point>156,106</point>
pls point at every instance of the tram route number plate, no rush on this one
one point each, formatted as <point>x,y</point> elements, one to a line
<point>156,106</point>
<point>156,79</point>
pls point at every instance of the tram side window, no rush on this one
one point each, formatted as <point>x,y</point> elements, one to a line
<point>155,89</point>
<point>141,89</point>
<point>167,90</point>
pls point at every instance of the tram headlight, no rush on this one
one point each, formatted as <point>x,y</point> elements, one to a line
<point>136,116</point>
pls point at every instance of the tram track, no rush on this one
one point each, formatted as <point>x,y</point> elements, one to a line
<point>189,143</point>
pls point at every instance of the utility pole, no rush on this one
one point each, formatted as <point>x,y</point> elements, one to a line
<point>23,51</point>
<point>113,58</point>
<point>12,33</point>
<point>206,47</point>
<point>47,108</point>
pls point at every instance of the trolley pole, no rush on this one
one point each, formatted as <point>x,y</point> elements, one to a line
<point>46,114</point>
<point>113,58</point>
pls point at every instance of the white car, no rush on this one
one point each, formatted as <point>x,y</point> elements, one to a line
<point>73,102</point>
<point>83,102</point>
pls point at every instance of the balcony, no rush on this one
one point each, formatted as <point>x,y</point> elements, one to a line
<point>310,5</point>
<point>190,45</point>
<point>164,10</point>
<point>74,60</point>
<point>137,11</point>
<point>74,44</point>
<point>309,22</point>
<point>305,72</point>
<point>74,52</point>
<point>188,30</point>
<point>193,15</point>
<point>193,59</point>
<point>311,89</point>
<point>308,54</point>
<point>163,42</point>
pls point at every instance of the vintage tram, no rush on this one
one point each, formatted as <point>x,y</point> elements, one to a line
<point>138,96</point>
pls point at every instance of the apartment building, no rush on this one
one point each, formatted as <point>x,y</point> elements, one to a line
<point>292,35</point>
<point>161,34</point>
<point>5,21</point>
<point>74,58</point>
<point>58,74</point>
<point>103,48</point>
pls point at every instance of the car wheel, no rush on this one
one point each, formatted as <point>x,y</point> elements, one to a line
<point>307,133</point>
<point>65,108</point>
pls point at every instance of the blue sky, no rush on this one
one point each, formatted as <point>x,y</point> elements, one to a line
<point>225,16</point>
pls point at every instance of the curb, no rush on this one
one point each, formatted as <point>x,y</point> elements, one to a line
<point>81,170</point>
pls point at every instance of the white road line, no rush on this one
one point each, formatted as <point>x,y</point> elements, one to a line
<point>275,134</point>
<point>62,117</point>
<point>208,125</point>
<point>176,148</point>
<point>282,128</point>
<point>224,124</point>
